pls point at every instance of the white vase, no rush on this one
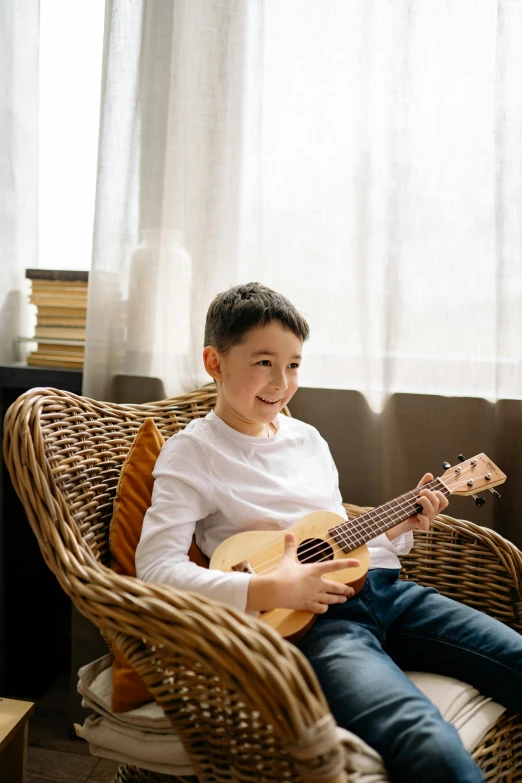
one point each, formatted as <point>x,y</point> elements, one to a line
<point>158,309</point>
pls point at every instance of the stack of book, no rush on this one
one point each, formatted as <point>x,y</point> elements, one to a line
<point>61,300</point>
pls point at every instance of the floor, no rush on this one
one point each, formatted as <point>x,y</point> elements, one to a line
<point>54,756</point>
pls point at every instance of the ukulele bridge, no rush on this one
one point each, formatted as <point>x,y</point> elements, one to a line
<point>244,567</point>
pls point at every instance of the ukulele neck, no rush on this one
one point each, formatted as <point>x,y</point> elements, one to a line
<point>358,531</point>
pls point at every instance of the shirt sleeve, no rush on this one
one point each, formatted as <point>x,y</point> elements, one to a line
<point>399,546</point>
<point>182,495</point>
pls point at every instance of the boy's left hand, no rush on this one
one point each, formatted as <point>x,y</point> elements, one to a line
<point>432,504</point>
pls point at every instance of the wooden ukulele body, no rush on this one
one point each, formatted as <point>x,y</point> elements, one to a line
<point>259,552</point>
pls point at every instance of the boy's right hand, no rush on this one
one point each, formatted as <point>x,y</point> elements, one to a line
<point>300,586</point>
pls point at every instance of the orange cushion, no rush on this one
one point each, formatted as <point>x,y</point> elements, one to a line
<point>133,498</point>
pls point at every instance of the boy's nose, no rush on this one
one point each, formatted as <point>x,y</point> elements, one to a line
<point>279,382</point>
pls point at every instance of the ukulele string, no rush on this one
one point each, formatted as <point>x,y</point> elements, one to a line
<point>358,526</point>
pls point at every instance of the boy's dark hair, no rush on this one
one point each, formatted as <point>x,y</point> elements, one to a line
<point>232,313</point>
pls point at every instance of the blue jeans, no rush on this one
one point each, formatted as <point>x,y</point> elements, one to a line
<point>359,650</point>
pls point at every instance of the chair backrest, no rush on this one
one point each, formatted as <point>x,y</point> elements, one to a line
<point>64,454</point>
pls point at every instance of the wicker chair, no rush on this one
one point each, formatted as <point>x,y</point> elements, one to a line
<point>245,703</point>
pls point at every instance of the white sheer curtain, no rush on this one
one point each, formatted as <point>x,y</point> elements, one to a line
<point>18,168</point>
<point>361,157</point>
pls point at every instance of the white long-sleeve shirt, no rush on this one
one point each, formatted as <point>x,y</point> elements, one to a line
<point>213,481</point>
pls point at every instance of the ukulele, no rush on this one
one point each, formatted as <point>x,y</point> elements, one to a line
<point>324,535</point>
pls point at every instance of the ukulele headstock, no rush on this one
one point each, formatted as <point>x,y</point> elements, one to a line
<point>473,475</point>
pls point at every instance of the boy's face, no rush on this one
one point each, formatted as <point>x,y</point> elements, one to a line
<point>257,378</point>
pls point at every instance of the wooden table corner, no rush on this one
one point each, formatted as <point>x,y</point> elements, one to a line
<point>14,725</point>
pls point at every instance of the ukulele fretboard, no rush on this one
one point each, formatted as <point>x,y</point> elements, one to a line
<point>372,523</point>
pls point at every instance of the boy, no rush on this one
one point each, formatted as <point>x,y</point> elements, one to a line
<point>246,466</point>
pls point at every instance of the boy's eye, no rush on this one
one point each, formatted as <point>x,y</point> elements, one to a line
<point>266,363</point>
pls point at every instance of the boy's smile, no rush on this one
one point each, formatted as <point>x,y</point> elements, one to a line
<point>256,378</point>
<point>268,402</point>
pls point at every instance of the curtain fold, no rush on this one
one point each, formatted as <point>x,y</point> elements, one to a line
<point>362,158</point>
<point>168,209</point>
<point>19,51</point>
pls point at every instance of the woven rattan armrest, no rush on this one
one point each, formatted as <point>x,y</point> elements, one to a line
<point>225,680</point>
<point>469,563</point>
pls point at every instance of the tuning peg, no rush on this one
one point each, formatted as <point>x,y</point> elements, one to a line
<point>495,493</point>
<point>462,458</point>
<point>479,501</point>
<point>446,465</point>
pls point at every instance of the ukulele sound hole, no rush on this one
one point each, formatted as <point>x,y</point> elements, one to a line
<point>313,549</point>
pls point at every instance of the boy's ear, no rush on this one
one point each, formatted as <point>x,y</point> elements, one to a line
<point>211,360</point>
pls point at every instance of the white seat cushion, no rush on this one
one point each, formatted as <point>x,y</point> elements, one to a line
<point>145,737</point>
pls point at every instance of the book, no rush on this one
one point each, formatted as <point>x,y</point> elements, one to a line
<point>56,274</point>
<point>60,320</point>
<point>57,357</point>
<point>59,348</point>
<point>51,300</point>
<point>63,332</point>
<point>35,360</point>
<point>80,308</point>
<point>53,357</point>
<point>59,285</point>
<point>71,308</point>
<point>77,312</point>
<point>61,292</point>
<point>52,341</point>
